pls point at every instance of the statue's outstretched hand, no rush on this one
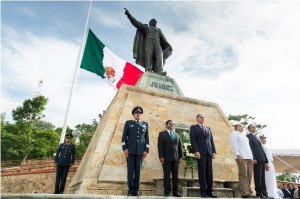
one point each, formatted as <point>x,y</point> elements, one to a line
<point>127,12</point>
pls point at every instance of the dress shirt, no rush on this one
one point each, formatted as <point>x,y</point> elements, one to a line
<point>268,153</point>
<point>280,193</point>
<point>240,145</point>
<point>169,131</point>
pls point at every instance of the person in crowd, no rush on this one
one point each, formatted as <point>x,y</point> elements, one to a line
<point>244,159</point>
<point>270,175</point>
<point>202,142</point>
<point>279,191</point>
<point>286,191</point>
<point>291,188</point>
<point>135,145</point>
<point>296,191</point>
<point>64,159</point>
<point>170,154</point>
<point>260,163</point>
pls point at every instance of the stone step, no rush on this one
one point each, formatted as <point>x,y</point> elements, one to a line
<point>220,192</point>
<point>188,182</point>
<point>81,196</point>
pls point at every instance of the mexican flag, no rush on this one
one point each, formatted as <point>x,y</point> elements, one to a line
<point>99,59</point>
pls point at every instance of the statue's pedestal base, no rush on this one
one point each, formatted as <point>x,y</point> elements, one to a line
<point>103,167</point>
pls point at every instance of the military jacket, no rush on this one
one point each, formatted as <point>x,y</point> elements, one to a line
<point>135,137</point>
<point>65,155</point>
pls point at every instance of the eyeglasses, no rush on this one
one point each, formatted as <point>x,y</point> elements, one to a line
<point>171,124</point>
<point>138,112</point>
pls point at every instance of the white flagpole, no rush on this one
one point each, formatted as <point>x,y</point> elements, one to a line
<point>63,133</point>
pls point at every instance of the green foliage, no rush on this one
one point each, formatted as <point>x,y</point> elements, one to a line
<point>245,120</point>
<point>68,130</point>
<point>31,110</point>
<point>28,137</point>
<point>189,157</point>
<point>84,133</point>
<point>284,177</point>
<point>31,137</point>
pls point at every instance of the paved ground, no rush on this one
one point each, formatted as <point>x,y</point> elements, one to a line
<point>81,196</point>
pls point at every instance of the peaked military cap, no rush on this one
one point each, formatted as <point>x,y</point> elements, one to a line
<point>69,135</point>
<point>137,109</point>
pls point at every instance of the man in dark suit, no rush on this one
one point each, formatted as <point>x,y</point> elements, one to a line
<point>170,154</point>
<point>260,163</point>
<point>135,144</point>
<point>291,189</point>
<point>64,159</point>
<point>203,145</point>
<point>286,192</point>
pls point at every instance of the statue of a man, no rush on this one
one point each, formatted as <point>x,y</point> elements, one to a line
<point>150,47</point>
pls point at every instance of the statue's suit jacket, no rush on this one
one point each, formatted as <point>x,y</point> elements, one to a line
<point>202,142</point>
<point>167,148</point>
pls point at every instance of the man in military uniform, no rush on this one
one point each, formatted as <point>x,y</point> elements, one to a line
<point>64,159</point>
<point>135,144</point>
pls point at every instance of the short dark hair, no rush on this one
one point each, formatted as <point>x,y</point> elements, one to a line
<point>168,121</point>
<point>250,126</point>
<point>235,126</point>
<point>199,115</point>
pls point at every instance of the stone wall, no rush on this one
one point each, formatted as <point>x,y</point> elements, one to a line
<point>32,176</point>
<point>30,183</point>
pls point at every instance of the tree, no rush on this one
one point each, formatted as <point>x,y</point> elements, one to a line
<point>11,142</point>
<point>29,136</point>
<point>245,120</point>
<point>26,116</point>
<point>31,110</point>
<point>84,133</point>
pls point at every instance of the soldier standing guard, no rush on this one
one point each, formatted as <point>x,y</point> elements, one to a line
<point>135,144</point>
<point>64,159</point>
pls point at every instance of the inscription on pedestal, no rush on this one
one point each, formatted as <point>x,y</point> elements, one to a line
<point>161,86</point>
<point>159,83</point>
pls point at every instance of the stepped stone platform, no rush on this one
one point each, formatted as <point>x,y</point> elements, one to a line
<point>190,188</point>
<point>80,196</point>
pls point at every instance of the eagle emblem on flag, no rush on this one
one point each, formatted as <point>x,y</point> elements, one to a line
<point>110,73</point>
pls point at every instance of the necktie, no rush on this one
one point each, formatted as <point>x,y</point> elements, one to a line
<point>203,130</point>
<point>172,135</point>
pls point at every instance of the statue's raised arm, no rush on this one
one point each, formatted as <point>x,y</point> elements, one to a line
<point>150,48</point>
<point>135,22</point>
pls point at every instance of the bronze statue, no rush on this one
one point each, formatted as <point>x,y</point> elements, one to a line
<point>150,47</point>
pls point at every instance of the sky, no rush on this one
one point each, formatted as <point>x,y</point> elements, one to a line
<point>242,55</point>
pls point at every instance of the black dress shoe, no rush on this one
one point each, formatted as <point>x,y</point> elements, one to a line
<point>247,196</point>
<point>176,195</point>
<point>211,195</point>
<point>260,196</point>
<point>131,194</point>
<point>203,195</point>
<point>166,195</point>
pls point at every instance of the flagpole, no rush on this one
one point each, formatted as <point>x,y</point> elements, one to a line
<point>63,133</point>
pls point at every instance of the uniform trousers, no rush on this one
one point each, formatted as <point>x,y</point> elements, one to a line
<point>61,178</point>
<point>134,166</point>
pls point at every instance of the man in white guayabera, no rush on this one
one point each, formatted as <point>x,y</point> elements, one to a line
<point>244,159</point>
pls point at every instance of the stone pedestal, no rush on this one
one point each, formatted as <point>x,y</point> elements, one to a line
<point>103,167</point>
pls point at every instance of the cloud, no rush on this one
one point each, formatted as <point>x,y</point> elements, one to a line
<point>109,18</point>
<point>258,74</point>
<point>241,55</point>
<point>27,58</point>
